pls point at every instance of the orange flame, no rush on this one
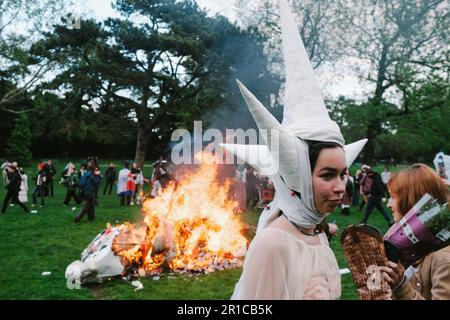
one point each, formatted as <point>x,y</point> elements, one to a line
<point>190,226</point>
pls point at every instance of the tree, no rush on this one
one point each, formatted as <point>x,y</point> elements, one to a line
<point>413,136</point>
<point>162,73</point>
<point>18,148</point>
<point>62,127</point>
<point>405,43</point>
<point>423,134</point>
<point>18,69</point>
<point>316,21</point>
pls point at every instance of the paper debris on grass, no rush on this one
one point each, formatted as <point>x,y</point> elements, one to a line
<point>137,284</point>
<point>344,271</point>
<point>46,273</point>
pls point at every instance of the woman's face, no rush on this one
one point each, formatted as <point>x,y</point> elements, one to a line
<point>393,205</point>
<point>328,179</point>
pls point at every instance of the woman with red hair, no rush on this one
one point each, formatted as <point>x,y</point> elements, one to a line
<point>428,278</point>
<point>40,185</point>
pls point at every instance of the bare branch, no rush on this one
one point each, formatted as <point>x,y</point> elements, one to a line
<point>13,94</point>
<point>10,21</point>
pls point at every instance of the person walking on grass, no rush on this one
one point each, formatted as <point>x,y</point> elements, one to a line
<point>375,198</point>
<point>13,188</point>
<point>89,183</point>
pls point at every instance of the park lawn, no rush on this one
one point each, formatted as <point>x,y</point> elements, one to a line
<point>50,241</point>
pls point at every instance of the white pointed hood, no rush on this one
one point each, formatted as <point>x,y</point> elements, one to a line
<point>305,114</point>
<point>285,158</point>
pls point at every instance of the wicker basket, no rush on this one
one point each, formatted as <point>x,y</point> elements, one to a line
<point>364,250</point>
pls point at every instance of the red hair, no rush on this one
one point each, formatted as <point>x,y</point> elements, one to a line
<point>409,185</point>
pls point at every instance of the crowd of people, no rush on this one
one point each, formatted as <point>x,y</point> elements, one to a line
<point>82,185</point>
<point>250,189</point>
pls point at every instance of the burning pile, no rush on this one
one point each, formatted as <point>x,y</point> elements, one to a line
<point>190,226</point>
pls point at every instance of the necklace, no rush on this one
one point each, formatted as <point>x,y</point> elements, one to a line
<point>305,233</point>
<point>300,228</point>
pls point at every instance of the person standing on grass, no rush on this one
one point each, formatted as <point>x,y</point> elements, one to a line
<point>70,181</point>
<point>122,191</point>
<point>139,180</point>
<point>82,170</point>
<point>356,187</point>
<point>51,172</point>
<point>89,183</point>
<point>97,173</point>
<point>4,167</point>
<point>365,185</point>
<point>110,177</point>
<point>13,188</point>
<point>23,193</point>
<point>348,194</point>
<point>40,185</point>
<point>385,176</point>
<point>131,185</point>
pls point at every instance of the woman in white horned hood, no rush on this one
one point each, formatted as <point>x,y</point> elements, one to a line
<point>288,258</point>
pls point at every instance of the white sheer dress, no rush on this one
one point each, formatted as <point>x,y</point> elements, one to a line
<point>281,264</point>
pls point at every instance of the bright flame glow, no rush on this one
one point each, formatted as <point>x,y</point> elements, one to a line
<point>190,226</point>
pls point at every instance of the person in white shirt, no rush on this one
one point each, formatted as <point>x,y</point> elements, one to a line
<point>385,176</point>
<point>23,193</point>
<point>122,190</point>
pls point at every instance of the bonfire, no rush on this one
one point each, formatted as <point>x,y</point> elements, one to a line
<point>191,226</point>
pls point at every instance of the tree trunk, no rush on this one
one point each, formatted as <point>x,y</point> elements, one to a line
<point>141,147</point>
<point>374,126</point>
<point>142,114</point>
<point>373,129</point>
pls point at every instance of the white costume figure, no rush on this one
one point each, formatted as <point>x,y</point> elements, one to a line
<point>122,181</point>
<point>278,265</point>
<point>442,164</point>
<point>23,193</point>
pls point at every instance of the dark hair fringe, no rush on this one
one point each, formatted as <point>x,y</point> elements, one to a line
<point>315,147</point>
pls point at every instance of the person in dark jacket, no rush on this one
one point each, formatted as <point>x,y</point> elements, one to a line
<point>50,174</point>
<point>89,183</point>
<point>375,198</point>
<point>110,176</point>
<point>40,185</point>
<point>70,181</point>
<point>13,187</point>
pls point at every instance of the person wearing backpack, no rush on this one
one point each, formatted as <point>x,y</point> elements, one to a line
<point>89,183</point>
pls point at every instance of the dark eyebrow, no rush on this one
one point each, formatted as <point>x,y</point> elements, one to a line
<point>331,169</point>
<point>328,169</point>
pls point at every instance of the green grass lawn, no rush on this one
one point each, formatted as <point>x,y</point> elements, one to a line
<point>50,241</point>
